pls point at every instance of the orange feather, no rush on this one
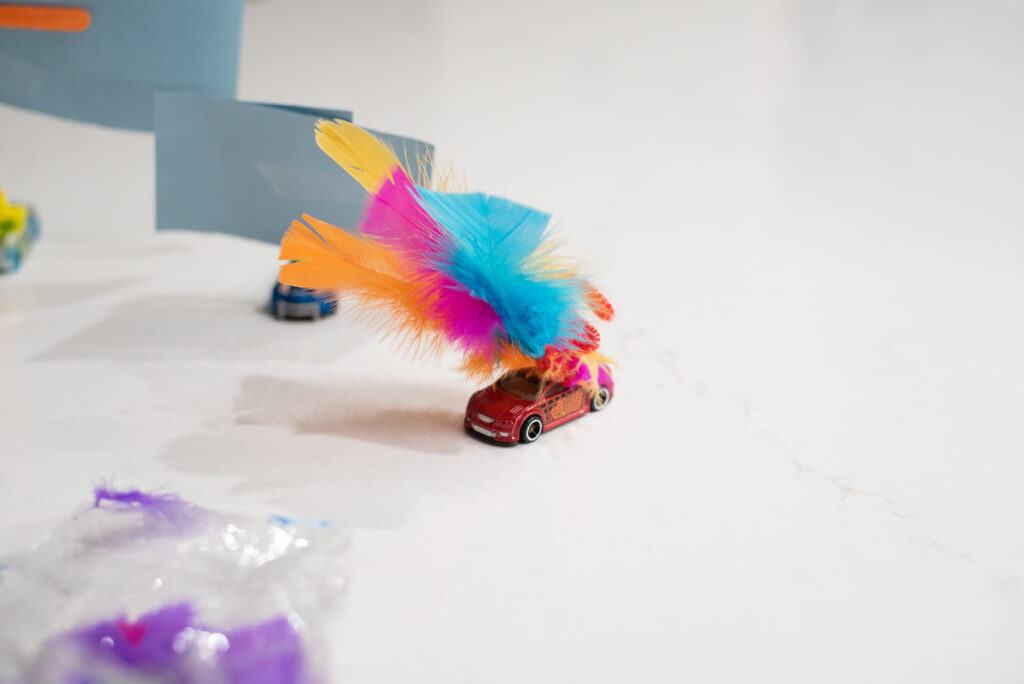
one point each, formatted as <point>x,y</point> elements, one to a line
<point>359,267</point>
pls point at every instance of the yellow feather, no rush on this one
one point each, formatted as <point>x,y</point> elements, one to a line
<point>366,158</point>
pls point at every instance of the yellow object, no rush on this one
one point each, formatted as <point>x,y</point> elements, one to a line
<point>12,216</point>
<point>368,160</point>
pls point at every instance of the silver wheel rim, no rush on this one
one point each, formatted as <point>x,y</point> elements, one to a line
<point>601,399</point>
<point>533,429</point>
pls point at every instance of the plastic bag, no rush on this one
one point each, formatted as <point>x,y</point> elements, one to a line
<point>150,588</point>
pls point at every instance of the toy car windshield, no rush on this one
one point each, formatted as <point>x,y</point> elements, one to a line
<point>520,385</point>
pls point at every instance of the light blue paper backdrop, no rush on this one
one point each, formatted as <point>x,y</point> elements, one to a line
<point>133,49</point>
<point>249,169</point>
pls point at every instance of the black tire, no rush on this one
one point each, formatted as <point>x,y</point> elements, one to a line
<point>532,429</point>
<point>600,400</point>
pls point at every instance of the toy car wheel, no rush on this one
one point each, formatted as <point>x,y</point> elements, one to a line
<point>601,399</point>
<point>531,429</point>
<point>278,311</point>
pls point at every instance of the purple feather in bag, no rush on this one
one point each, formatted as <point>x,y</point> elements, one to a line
<point>236,599</point>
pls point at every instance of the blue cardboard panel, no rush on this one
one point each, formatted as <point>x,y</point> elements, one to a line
<point>249,169</point>
<point>133,49</point>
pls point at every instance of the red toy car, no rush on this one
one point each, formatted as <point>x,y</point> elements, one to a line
<point>515,409</point>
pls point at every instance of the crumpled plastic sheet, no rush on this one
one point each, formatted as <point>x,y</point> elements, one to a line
<point>150,589</point>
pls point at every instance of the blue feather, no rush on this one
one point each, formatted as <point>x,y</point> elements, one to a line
<point>488,251</point>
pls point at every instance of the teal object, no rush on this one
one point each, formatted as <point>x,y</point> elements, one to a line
<point>250,169</point>
<point>16,243</point>
<point>490,242</point>
<point>109,73</point>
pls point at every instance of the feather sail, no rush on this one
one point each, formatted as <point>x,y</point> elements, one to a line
<point>468,270</point>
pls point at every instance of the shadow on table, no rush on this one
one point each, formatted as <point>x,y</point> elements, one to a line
<point>413,416</point>
<point>164,327</point>
<point>360,452</point>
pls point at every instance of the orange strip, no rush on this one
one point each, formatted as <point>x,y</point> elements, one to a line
<point>43,18</point>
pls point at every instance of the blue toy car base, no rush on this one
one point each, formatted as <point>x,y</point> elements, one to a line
<point>15,242</point>
<point>302,303</point>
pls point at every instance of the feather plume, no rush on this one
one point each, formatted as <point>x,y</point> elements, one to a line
<point>473,271</point>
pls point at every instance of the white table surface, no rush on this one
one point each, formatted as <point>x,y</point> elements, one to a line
<point>809,217</point>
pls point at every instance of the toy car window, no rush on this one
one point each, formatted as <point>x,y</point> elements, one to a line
<point>554,390</point>
<point>520,386</point>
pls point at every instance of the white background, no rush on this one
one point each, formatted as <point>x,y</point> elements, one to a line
<point>808,215</point>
